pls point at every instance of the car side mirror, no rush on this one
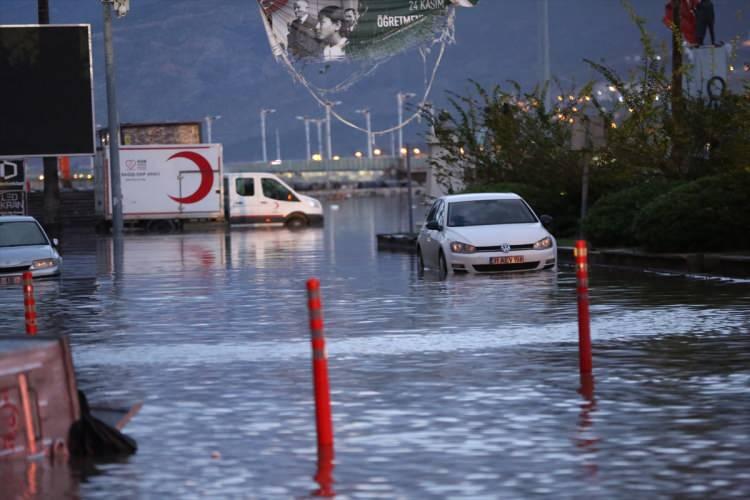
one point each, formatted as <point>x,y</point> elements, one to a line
<point>55,242</point>
<point>434,225</point>
<point>546,220</point>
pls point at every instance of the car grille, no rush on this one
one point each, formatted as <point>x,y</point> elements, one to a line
<point>493,268</point>
<point>499,248</point>
<point>15,269</point>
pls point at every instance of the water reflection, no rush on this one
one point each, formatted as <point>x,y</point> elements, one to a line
<point>586,438</point>
<point>455,388</point>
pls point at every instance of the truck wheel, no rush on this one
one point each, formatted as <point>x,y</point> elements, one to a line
<point>160,226</point>
<point>296,222</point>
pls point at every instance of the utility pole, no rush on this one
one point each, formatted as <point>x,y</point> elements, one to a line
<point>51,179</point>
<point>400,98</point>
<point>408,189</point>
<point>121,6</point>
<point>307,136</point>
<point>546,73</point>
<point>278,145</point>
<point>676,55</point>
<point>366,112</point>
<point>209,121</point>
<point>263,113</point>
<point>319,124</point>
<point>329,147</point>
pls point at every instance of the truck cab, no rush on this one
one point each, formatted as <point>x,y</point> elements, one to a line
<point>264,198</point>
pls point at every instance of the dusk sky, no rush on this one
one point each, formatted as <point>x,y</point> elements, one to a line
<point>184,60</point>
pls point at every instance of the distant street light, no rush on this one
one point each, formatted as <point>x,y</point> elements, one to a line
<point>366,112</point>
<point>400,98</point>
<point>329,146</point>
<point>319,124</point>
<point>263,113</point>
<point>307,135</point>
<point>210,119</point>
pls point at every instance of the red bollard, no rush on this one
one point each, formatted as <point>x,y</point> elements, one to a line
<point>320,370</point>
<point>582,283</point>
<point>29,305</point>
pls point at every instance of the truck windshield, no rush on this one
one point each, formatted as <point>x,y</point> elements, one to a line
<point>20,233</point>
<point>489,212</point>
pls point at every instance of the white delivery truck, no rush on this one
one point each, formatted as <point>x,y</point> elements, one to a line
<point>165,185</point>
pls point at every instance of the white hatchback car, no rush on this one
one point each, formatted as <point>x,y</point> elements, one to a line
<point>485,233</point>
<point>24,246</point>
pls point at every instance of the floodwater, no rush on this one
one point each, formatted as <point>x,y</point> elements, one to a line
<point>464,388</point>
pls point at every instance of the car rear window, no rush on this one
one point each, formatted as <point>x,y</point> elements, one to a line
<point>19,233</point>
<point>489,212</point>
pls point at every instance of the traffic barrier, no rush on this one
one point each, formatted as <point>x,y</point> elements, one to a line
<point>582,288</point>
<point>320,371</point>
<point>29,305</point>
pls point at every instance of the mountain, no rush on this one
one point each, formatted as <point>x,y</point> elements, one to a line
<point>186,59</point>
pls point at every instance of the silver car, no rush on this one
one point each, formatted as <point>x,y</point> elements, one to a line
<point>24,246</point>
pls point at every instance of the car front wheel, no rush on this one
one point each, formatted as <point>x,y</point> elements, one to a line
<point>442,266</point>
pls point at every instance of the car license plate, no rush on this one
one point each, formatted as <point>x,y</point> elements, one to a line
<point>10,280</point>
<point>511,259</point>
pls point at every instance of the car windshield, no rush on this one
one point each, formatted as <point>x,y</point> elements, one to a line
<point>19,233</point>
<point>489,212</point>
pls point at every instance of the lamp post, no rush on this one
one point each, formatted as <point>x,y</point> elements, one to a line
<point>408,186</point>
<point>278,146</point>
<point>366,112</point>
<point>263,113</point>
<point>400,98</point>
<point>121,7</point>
<point>319,124</point>
<point>307,135</point>
<point>329,146</point>
<point>544,53</point>
<point>209,122</point>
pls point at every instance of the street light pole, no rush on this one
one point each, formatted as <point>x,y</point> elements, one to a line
<point>366,112</point>
<point>114,122</point>
<point>263,113</point>
<point>329,147</point>
<point>400,98</point>
<point>209,121</point>
<point>319,124</point>
<point>307,135</point>
<point>278,145</point>
<point>546,76</point>
<point>408,190</point>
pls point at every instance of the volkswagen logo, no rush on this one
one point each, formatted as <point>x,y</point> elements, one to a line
<point>505,247</point>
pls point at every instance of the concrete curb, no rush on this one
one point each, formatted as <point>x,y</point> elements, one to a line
<point>733,266</point>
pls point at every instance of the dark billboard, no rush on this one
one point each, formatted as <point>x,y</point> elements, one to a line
<point>46,91</point>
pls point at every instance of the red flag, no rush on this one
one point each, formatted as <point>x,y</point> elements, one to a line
<point>687,19</point>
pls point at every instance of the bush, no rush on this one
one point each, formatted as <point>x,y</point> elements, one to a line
<point>710,214</point>
<point>610,222</point>
<point>544,202</point>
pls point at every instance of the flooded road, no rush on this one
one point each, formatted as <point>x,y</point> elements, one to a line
<point>465,388</point>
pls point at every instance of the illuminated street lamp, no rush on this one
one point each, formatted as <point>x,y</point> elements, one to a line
<point>400,98</point>
<point>263,113</point>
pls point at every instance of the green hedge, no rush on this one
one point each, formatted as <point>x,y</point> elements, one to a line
<point>710,214</point>
<point>610,221</point>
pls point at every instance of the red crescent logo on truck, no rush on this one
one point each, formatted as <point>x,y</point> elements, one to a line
<point>207,177</point>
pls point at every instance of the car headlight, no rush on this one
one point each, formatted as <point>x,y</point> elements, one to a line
<point>43,263</point>
<point>458,247</point>
<point>314,203</point>
<point>544,243</point>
